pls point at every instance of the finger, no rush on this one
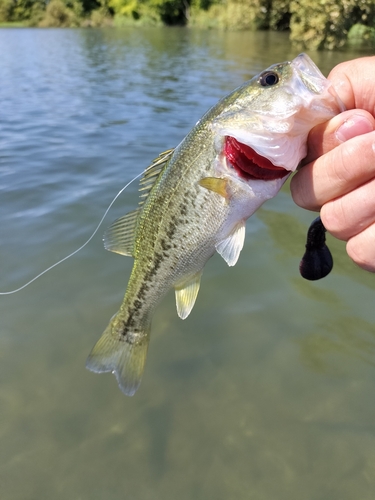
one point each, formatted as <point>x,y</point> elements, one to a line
<point>336,173</point>
<point>354,83</point>
<point>326,136</point>
<point>348,215</point>
<point>361,248</point>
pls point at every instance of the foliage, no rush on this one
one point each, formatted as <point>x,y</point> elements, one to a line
<point>172,11</point>
<point>313,24</point>
<point>232,14</point>
<point>247,14</point>
<point>279,15</point>
<point>325,24</point>
<point>58,15</point>
<point>169,12</point>
<point>98,18</point>
<point>20,10</point>
<point>6,10</point>
<point>359,34</point>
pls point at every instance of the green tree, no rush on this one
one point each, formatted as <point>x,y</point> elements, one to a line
<point>172,12</point>
<point>6,11</point>
<point>326,24</point>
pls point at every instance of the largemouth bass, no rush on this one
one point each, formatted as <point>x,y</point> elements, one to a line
<point>196,198</point>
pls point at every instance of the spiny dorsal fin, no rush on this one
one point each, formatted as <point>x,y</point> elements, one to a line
<point>230,248</point>
<point>186,294</point>
<point>120,235</point>
<point>152,173</point>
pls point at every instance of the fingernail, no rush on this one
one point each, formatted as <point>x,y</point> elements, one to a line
<point>355,125</point>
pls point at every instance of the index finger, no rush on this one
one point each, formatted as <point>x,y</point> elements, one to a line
<point>354,83</point>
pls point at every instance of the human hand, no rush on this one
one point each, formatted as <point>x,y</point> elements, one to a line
<point>338,176</point>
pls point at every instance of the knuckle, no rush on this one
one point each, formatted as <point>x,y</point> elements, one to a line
<point>299,188</point>
<point>354,160</point>
<point>334,218</point>
<point>343,163</point>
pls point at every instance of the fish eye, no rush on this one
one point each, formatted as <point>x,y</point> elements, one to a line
<point>268,78</point>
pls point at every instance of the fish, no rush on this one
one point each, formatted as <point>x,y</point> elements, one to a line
<point>195,200</point>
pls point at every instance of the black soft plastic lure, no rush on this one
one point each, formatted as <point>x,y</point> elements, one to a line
<point>317,261</point>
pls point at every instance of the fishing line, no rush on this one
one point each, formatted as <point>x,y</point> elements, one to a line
<point>81,247</point>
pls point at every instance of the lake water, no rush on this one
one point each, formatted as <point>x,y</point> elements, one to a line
<point>266,391</point>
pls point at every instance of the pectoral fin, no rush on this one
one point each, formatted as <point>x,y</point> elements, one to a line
<point>230,248</point>
<point>215,184</point>
<point>186,294</point>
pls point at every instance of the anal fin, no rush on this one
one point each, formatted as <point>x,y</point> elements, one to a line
<point>186,294</point>
<point>230,248</point>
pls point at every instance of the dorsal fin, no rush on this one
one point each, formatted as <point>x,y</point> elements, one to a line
<point>152,173</point>
<point>119,237</point>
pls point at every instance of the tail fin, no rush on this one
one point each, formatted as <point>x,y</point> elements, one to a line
<point>123,356</point>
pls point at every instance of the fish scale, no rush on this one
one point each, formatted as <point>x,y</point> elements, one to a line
<point>196,199</point>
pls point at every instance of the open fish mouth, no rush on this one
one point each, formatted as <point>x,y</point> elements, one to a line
<point>249,164</point>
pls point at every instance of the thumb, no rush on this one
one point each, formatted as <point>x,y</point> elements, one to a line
<point>326,136</point>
